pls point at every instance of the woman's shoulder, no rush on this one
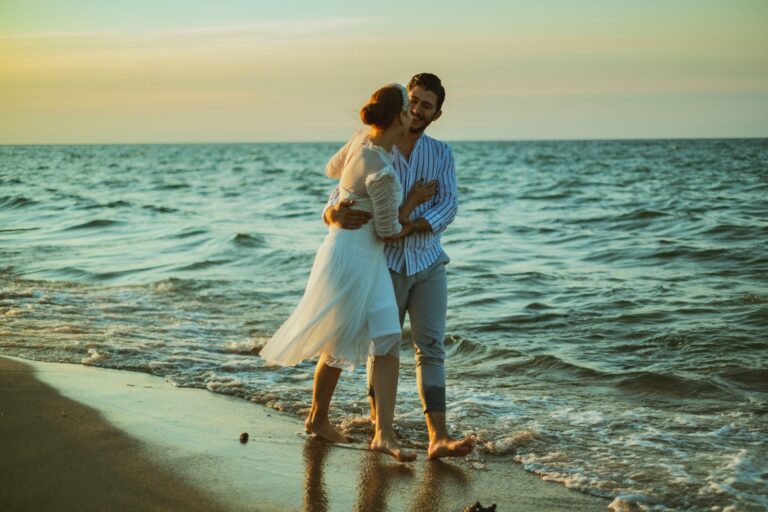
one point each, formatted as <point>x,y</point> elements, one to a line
<point>384,175</point>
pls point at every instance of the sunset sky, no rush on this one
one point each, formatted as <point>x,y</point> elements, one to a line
<point>101,71</point>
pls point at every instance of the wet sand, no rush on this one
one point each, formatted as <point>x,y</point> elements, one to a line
<point>57,454</point>
<point>79,438</point>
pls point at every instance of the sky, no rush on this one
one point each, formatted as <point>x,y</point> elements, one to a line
<point>164,71</point>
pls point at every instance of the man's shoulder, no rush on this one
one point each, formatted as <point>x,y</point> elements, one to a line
<point>442,147</point>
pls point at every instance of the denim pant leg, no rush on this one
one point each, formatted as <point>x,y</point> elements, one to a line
<point>427,305</point>
<point>425,297</point>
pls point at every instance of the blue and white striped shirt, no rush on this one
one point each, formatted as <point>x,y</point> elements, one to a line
<point>430,160</point>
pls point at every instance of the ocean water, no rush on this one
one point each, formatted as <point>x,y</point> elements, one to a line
<point>608,300</point>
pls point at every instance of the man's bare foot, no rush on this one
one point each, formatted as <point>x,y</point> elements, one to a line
<point>324,429</point>
<point>390,447</point>
<point>440,448</point>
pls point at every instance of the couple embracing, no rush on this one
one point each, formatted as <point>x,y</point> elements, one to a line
<point>381,258</point>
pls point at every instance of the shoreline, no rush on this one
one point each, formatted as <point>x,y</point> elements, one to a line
<point>92,437</point>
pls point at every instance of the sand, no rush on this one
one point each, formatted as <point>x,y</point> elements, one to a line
<point>80,438</point>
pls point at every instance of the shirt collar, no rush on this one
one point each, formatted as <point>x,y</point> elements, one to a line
<point>397,152</point>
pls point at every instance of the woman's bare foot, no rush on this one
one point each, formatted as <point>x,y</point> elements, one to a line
<point>373,410</point>
<point>390,447</point>
<point>324,429</point>
<point>448,447</point>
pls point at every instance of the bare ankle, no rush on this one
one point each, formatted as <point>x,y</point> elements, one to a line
<point>385,435</point>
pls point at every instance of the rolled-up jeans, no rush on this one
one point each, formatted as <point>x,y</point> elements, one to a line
<point>424,296</point>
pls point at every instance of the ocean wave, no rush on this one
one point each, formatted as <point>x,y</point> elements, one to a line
<point>733,232</point>
<point>249,347</point>
<point>754,379</point>
<point>457,346</point>
<point>510,444</point>
<point>510,322</point>
<point>113,204</point>
<point>18,230</point>
<point>224,385</point>
<point>189,232</point>
<point>548,364</point>
<point>551,196</point>
<point>13,202</point>
<point>754,298</point>
<point>171,186</point>
<point>94,357</point>
<point>653,384</point>
<point>92,224</point>
<point>178,285</point>
<point>200,265</point>
<point>121,274</point>
<point>248,240</point>
<point>642,214</point>
<point>160,209</point>
<point>69,273</point>
<point>696,253</point>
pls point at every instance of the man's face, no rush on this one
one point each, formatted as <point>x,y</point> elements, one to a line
<point>423,108</point>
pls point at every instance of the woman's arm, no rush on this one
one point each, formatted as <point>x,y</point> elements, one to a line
<point>420,193</point>
<point>382,190</point>
<point>336,163</point>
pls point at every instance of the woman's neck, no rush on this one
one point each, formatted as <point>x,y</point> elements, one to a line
<point>385,139</point>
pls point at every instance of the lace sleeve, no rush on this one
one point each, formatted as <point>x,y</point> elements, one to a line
<point>384,190</point>
<point>335,165</point>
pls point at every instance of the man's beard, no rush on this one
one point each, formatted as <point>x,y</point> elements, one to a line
<point>421,128</point>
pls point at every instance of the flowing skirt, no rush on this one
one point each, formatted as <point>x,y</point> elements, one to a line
<point>348,310</point>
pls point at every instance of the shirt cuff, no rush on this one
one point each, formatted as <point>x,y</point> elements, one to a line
<point>435,221</point>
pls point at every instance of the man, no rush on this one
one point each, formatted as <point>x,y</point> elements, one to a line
<point>417,262</point>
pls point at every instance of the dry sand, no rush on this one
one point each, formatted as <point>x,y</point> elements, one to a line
<point>81,438</point>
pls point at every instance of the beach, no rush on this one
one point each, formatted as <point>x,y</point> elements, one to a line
<point>81,438</point>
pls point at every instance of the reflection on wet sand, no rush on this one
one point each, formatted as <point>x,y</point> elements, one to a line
<point>431,489</point>
<point>378,473</point>
<point>315,495</point>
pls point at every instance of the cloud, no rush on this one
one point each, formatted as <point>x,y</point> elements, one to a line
<point>265,29</point>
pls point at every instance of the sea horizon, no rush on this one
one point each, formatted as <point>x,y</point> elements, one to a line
<point>342,140</point>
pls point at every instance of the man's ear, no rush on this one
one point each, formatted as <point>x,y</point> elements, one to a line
<point>437,115</point>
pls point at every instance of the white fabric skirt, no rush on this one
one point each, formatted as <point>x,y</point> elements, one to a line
<point>348,310</point>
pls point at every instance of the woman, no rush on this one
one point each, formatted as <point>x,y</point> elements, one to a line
<point>349,308</point>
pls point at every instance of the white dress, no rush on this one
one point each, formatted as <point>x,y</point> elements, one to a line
<point>348,310</point>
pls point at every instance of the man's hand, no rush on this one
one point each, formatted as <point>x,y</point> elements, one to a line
<point>345,217</point>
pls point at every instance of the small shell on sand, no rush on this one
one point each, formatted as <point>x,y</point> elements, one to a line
<point>477,507</point>
<point>244,437</point>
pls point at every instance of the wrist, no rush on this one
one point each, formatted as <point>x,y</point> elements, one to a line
<point>421,225</point>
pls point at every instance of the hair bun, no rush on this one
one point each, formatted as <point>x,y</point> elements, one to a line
<point>372,114</point>
<point>384,106</point>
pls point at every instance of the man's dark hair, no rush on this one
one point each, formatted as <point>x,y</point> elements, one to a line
<point>431,83</point>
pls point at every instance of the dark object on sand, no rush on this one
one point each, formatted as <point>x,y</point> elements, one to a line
<point>477,507</point>
<point>244,437</point>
